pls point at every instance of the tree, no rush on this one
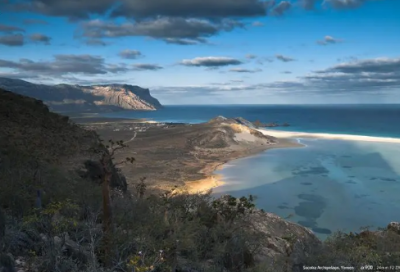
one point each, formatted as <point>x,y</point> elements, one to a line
<point>107,164</point>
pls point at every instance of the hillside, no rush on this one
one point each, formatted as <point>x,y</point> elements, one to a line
<point>51,211</point>
<point>44,154</point>
<point>76,98</point>
<point>31,136</point>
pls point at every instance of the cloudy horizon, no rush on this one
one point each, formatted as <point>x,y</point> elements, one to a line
<point>210,52</point>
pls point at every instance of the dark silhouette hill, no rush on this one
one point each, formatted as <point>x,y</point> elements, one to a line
<point>33,135</point>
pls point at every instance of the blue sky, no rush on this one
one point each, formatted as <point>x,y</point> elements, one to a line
<point>210,52</point>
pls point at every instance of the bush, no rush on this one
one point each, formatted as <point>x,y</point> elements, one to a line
<point>359,249</point>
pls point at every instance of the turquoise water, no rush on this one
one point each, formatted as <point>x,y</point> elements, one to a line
<point>328,185</point>
<point>372,120</point>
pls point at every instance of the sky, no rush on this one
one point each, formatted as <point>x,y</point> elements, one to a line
<point>210,51</point>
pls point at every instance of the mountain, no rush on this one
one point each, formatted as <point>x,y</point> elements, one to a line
<point>76,98</point>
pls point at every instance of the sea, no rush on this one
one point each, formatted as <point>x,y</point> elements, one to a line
<point>328,185</point>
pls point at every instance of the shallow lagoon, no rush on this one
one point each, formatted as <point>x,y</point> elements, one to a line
<point>328,185</point>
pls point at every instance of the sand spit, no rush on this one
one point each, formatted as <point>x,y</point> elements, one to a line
<point>348,137</point>
<point>184,156</point>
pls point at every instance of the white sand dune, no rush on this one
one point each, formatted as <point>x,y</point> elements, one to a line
<point>294,134</point>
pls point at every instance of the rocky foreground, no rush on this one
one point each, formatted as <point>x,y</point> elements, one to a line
<point>51,203</point>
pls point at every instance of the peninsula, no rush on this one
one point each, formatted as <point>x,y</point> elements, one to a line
<point>69,99</point>
<point>184,155</point>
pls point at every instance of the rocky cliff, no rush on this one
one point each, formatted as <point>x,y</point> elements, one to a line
<point>76,98</point>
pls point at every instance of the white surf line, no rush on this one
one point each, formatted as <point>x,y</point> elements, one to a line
<point>294,134</point>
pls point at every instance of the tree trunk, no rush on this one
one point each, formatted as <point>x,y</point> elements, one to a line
<point>107,220</point>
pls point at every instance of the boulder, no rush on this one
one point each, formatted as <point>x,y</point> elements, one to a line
<point>287,244</point>
<point>394,226</point>
<point>72,249</point>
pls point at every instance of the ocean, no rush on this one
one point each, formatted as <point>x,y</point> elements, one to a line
<point>329,184</point>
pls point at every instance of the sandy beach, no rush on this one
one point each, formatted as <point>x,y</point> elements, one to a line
<point>180,155</point>
<point>347,137</point>
<point>167,159</point>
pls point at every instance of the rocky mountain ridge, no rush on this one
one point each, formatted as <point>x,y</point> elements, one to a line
<point>76,98</point>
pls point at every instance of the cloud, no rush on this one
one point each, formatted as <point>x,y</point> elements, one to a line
<point>117,68</point>
<point>10,29</point>
<point>144,8</point>
<point>348,59</point>
<point>372,75</point>
<point>328,40</point>
<point>35,22</point>
<point>202,90</point>
<point>191,8</point>
<point>145,66</point>
<point>359,76</point>
<point>236,87</point>
<point>286,72</point>
<point>12,40</point>
<point>64,64</point>
<point>308,4</point>
<point>345,4</point>
<point>281,8</point>
<point>185,41</point>
<point>262,60</point>
<point>244,70</point>
<point>96,42</point>
<point>71,9</point>
<point>172,30</point>
<point>379,65</point>
<point>284,58</point>
<point>37,37</point>
<point>257,24</point>
<point>210,62</point>
<point>251,56</point>
<point>130,54</point>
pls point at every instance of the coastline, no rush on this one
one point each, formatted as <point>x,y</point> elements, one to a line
<point>216,180</point>
<point>328,136</point>
<point>166,156</point>
<point>291,136</point>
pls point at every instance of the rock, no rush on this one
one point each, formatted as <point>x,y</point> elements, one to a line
<point>286,241</point>
<point>64,97</point>
<point>394,226</point>
<point>72,249</point>
<point>44,237</point>
<point>57,241</point>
